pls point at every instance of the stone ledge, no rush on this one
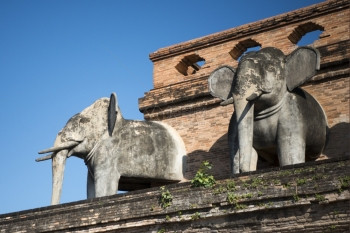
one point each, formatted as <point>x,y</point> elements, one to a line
<point>279,196</point>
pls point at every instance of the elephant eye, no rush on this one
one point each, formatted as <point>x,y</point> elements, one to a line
<point>270,68</point>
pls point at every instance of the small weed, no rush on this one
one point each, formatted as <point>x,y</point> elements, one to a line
<point>195,216</point>
<point>286,173</point>
<point>261,204</point>
<point>232,198</point>
<point>161,230</point>
<point>246,185</point>
<point>256,182</point>
<point>318,177</point>
<point>269,204</point>
<point>276,182</point>
<point>260,194</point>
<point>202,177</point>
<point>301,181</point>
<point>298,171</point>
<point>240,206</point>
<point>248,196</point>
<point>286,185</point>
<point>219,190</point>
<point>166,198</point>
<point>296,198</point>
<point>167,217</point>
<point>319,197</point>
<point>231,186</point>
<point>344,183</point>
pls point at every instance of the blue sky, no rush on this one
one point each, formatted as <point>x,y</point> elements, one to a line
<point>59,56</point>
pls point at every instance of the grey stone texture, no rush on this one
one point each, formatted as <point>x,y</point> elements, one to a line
<point>113,147</point>
<point>273,118</point>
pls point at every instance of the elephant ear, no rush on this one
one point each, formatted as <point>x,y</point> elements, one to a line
<point>301,65</point>
<point>112,113</point>
<point>220,82</point>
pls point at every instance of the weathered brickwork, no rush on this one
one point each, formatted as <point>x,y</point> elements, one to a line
<point>310,197</point>
<point>180,97</point>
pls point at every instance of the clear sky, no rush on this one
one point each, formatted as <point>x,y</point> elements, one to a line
<point>57,57</point>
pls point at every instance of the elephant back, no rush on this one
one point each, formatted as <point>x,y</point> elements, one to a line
<point>149,149</point>
<point>315,123</point>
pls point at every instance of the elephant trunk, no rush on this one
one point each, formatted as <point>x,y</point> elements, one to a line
<point>58,165</point>
<point>245,120</point>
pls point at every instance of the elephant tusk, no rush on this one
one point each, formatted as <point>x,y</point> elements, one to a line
<point>253,96</point>
<point>63,146</point>
<point>227,102</point>
<point>47,157</point>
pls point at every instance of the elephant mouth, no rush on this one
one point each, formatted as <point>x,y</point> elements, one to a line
<point>270,111</point>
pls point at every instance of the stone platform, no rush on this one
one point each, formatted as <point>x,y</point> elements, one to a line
<point>312,197</point>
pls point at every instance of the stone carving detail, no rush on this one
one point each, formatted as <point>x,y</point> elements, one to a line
<point>112,146</point>
<point>273,117</point>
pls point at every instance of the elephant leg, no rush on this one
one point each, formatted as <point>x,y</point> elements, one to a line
<point>235,157</point>
<point>291,149</point>
<point>106,174</point>
<point>233,145</point>
<point>254,160</point>
<point>106,181</point>
<point>90,186</point>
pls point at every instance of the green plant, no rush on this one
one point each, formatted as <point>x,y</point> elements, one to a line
<point>319,197</point>
<point>179,215</point>
<point>161,230</point>
<point>256,182</point>
<point>344,183</point>
<point>232,198</point>
<point>166,198</point>
<point>276,182</point>
<point>202,177</point>
<point>286,173</point>
<point>167,217</point>
<point>247,195</point>
<point>286,185</point>
<point>301,181</point>
<point>246,185</point>
<point>219,190</point>
<point>231,186</point>
<point>296,198</point>
<point>240,206</point>
<point>260,194</point>
<point>195,216</point>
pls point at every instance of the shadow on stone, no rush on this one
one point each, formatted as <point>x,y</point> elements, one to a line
<point>338,143</point>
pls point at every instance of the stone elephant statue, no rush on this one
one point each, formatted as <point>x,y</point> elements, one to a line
<point>112,146</point>
<point>273,118</point>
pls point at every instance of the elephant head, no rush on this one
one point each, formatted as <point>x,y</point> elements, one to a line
<point>78,138</point>
<point>259,87</point>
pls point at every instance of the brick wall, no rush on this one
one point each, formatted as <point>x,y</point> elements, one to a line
<point>310,197</point>
<point>180,97</point>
